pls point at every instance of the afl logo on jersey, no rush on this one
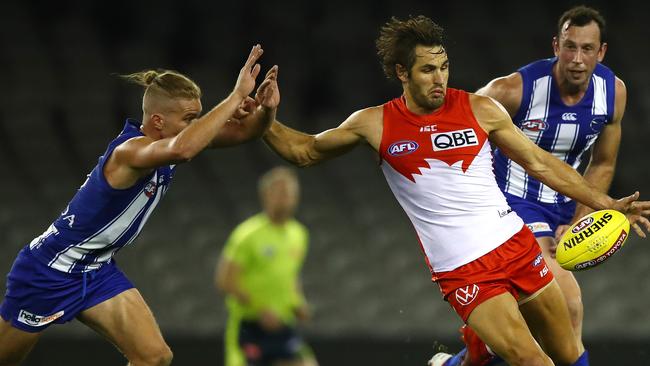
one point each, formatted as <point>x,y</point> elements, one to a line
<point>534,125</point>
<point>403,147</point>
<point>150,189</point>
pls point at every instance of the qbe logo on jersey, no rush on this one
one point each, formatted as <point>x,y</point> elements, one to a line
<point>454,139</point>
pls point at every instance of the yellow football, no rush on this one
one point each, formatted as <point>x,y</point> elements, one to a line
<point>593,239</point>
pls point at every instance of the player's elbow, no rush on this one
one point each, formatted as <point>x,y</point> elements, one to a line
<point>306,159</point>
<point>219,284</point>
<point>304,162</point>
<point>535,165</point>
<point>182,153</point>
<point>537,169</point>
<point>222,282</point>
<point>297,155</point>
<point>307,154</point>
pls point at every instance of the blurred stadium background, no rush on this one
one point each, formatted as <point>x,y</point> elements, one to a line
<point>365,275</point>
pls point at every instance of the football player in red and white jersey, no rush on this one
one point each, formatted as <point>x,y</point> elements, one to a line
<point>434,143</point>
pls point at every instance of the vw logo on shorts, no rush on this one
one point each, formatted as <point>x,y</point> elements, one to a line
<point>465,295</point>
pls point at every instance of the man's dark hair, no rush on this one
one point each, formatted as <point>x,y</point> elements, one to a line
<point>580,16</point>
<point>398,38</point>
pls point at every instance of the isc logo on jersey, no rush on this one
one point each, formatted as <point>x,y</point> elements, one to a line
<point>403,147</point>
<point>454,139</point>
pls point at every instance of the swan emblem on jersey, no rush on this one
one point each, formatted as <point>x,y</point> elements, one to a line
<point>534,125</point>
<point>465,295</point>
<point>150,189</point>
<point>440,146</point>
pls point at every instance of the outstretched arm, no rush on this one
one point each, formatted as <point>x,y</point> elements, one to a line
<point>304,150</point>
<point>547,168</point>
<point>226,279</point>
<point>145,153</point>
<point>254,116</point>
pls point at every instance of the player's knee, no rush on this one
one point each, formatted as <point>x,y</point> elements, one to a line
<point>10,362</point>
<point>164,357</point>
<point>11,359</point>
<point>161,356</point>
<point>532,360</point>
<point>567,355</point>
<point>529,356</point>
<point>575,311</point>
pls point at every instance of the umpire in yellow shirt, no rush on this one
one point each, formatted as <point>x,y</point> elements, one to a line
<point>259,271</point>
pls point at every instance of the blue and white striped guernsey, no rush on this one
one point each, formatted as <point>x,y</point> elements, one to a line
<point>564,131</point>
<point>100,220</point>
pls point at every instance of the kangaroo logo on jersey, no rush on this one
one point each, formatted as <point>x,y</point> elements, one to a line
<point>454,139</point>
<point>597,123</point>
<point>403,147</point>
<point>150,189</point>
<point>569,116</point>
<point>534,125</point>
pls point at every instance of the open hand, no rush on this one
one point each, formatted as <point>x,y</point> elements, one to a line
<point>559,232</point>
<point>303,313</point>
<point>269,321</point>
<point>248,73</point>
<point>636,212</point>
<point>246,107</point>
<point>268,93</point>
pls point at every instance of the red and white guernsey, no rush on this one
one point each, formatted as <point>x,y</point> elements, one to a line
<point>439,167</point>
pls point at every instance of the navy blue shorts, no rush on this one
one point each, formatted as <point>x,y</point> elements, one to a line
<point>263,348</point>
<point>38,296</point>
<point>542,218</point>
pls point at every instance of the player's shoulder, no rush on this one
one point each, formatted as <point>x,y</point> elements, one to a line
<point>364,121</point>
<point>619,85</point>
<point>298,227</point>
<point>133,143</point>
<point>485,104</point>
<point>366,115</point>
<point>507,90</point>
<point>249,227</point>
<point>488,112</point>
<point>505,84</point>
<point>299,232</point>
<point>539,67</point>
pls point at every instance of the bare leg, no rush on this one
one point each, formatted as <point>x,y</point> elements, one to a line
<point>127,322</point>
<point>499,323</point>
<point>548,318</point>
<point>15,344</point>
<point>569,287</point>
